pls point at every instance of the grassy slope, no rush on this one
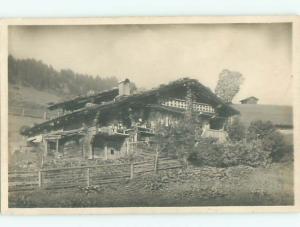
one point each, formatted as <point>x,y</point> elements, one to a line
<point>14,125</point>
<point>29,97</point>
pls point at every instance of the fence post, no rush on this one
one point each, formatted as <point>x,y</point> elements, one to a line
<point>131,170</point>
<point>156,162</point>
<point>45,115</point>
<point>88,177</point>
<point>40,179</point>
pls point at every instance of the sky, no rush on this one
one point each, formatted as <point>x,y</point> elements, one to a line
<point>150,55</point>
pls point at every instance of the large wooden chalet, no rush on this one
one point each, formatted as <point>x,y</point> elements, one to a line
<point>102,125</point>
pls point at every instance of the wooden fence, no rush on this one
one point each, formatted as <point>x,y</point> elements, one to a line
<point>85,176</point>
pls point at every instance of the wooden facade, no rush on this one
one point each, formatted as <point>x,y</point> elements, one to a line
<point>104,129</point>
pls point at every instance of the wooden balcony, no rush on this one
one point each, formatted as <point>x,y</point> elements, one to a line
<point>113,130</point>
<point>181,104</point>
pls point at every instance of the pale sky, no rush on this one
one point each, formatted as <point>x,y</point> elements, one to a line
<point>153,54</point>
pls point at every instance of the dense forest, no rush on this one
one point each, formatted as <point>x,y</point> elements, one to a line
<point>36,74</point>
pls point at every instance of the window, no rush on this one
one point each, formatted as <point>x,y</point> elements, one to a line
<point>112,152</point>
<point>51,145</point>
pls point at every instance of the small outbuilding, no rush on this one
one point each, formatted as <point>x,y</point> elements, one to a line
<point>249,100</point>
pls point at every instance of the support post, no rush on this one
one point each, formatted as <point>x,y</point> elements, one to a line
<point>45,148</point>
<point>156,162</point>
<point>91,150</point>
<point>88,177</point>
<point>57,145</point>
<point>88,144</point>
<point>105,152</point>
<point>62,146</point>
<point>40,178</point>
<point>42,160</point>
<point>45,115</point>
<point>23,112</point>
<point>127,147</point>
<point>131,170</point>
<point>82,150</point>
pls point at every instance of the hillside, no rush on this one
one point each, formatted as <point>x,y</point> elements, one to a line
<point>29,97</point>
<point>33,85</point>
<point>63,83</point>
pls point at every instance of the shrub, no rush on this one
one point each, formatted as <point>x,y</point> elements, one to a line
<point>260,129</point>
<point>178,139</point>
<point>236,131</point>
<point>274,143</point>
<point>244,152</point>
<point>206,152</point>
<point>272,140</point>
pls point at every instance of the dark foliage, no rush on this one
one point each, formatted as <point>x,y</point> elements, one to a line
<point>272,139</point>
<point>236,131</point>
<point>211,153</point>
<point>30,72</point>
<point>179,139</point>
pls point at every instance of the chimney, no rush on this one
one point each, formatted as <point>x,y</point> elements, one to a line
<point>124,87</point>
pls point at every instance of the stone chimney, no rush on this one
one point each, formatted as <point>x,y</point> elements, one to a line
<point>124,87</point>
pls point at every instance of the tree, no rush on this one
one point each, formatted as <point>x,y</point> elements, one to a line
<point>30,72</point>
<point>228,85</point>
<point>178,139</point>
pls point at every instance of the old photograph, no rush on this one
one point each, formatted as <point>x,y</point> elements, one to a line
<point>150,115</point>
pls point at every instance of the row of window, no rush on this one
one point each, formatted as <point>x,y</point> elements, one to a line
<point>183,105</point>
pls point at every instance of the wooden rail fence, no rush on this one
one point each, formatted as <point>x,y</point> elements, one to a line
<point>86,175</point>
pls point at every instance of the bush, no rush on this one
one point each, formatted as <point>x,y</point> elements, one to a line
<point>244,152</point>
<point>179,139</point>
<point>236,131</point>
<point>272,140</point>
<point>274,143</point>
<point>260,129</point>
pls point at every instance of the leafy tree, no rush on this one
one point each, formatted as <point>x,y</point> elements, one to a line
<point>228,85</point>
<point>178,139</point>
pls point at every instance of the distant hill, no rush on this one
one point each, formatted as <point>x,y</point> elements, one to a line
<point>64,83</point>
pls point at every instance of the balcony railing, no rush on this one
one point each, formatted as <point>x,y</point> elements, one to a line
<point>181,104</point>
<point>113,130</point>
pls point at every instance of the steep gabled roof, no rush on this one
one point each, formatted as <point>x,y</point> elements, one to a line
<point>138,98</point>
<point>81,101</point>
<point>251,97</point>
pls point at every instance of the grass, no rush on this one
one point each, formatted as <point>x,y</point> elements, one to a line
<point>30,97</point>
<point>237,186</point>
<point>14,124</point>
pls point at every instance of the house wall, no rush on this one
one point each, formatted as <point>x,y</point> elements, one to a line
<point>110,148</point>
<point>157,119</point>
<point>76,124</point>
